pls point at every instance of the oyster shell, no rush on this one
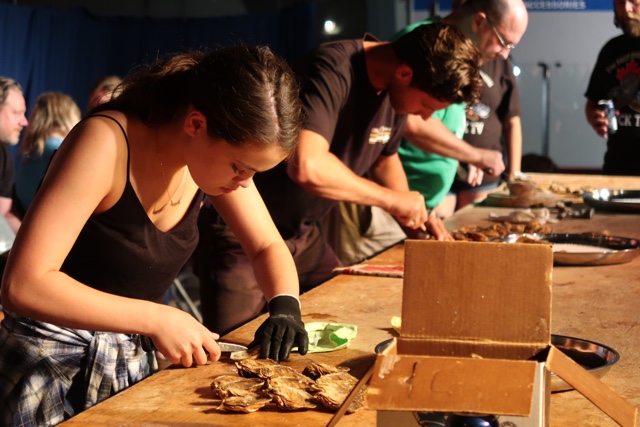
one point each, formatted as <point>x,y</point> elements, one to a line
<point>316,370</point>
<point>286,387</point>
<point>253,367</point>
<point>248,403</point>
<point>484,234</point>
<point>267,368</point>
<point>333,389</point>
<point>233,385</point>
<point>290,393</point>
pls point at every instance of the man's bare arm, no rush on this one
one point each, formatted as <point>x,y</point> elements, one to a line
<point>433,136</point>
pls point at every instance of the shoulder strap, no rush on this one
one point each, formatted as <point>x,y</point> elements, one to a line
<point>125,138</point>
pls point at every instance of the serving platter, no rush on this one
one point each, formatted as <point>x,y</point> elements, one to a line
<point>583,249</point>
<point>594,357</point>
<point>605,199</point>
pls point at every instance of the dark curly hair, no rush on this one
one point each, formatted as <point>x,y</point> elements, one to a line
<point>444,61</point>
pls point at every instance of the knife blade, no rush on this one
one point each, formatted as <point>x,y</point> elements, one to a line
<point>229,347</point>
<point>149,345</point>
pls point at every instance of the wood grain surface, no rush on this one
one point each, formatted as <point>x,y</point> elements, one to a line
<point>597,303</point>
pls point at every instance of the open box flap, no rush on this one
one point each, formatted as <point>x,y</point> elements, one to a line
<point>450,384</point>
<point>477,291</point>
<point>592,388</point>
<point>471,348</point>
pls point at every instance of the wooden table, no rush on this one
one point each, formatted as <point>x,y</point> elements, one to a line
<point>596,303</point>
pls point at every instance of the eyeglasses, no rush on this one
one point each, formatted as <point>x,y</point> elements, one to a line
<point>505,45</point>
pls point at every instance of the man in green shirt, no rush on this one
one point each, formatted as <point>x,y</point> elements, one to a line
<point>432,148</point>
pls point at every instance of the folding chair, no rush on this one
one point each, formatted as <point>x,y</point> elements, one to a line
<point>184,301</point>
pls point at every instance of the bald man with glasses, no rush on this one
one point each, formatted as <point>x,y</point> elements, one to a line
<point>494,122</point>
<point>505,45</point>
<point>433,147</point>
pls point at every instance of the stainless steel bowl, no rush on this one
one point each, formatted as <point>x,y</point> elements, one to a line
<point>619,250</point>
<point>594,357</point>
<point>605,199</point>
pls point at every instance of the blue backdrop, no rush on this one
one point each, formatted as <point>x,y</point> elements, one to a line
<point>46,49</point>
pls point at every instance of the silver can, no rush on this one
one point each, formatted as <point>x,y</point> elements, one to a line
<point>610,113</point>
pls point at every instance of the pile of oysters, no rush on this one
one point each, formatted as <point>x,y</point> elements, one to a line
<point>263,381</point>
<point>485,234</point>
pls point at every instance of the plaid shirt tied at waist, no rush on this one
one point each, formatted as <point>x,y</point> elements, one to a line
<point>38,362</point>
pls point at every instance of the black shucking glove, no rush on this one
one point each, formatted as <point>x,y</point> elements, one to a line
<point>282,330</point>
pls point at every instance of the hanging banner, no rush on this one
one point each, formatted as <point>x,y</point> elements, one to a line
<point>568,5</point>
<point>532,5</point>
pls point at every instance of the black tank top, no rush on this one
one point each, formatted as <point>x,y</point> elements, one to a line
<point>120,251</point>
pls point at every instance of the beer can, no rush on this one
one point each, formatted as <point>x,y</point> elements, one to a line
<point>610,112</point>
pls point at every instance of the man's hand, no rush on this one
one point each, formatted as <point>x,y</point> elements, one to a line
<point>599,122</point>
<point>474,176</point>
<point>409,209</point>
<point>490,161</point>
<point>433,228</point>
<point>282,331</point>
<point>436,228</point>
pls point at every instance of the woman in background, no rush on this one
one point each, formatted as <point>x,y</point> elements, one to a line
<point>102,91</point>
<point>116,218</point>
<point>52,118</point>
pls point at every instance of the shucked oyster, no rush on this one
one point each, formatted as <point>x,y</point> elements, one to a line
<point>315,369</point>
<point>233,385</point>
<point>333,389</point>
<point>290,393</point>
<point>248,403</point>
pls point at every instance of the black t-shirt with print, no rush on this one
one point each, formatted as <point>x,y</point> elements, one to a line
<point>341,105</point>
<point>616,76</point>
<point>498,102</point>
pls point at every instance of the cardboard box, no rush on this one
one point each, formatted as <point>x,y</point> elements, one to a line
<point>475,333</point>
<point>538,416</point>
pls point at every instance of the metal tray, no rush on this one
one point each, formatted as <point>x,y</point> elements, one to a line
<point>594,357</point>
<point>619,249</point>
<point>613,200</point>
